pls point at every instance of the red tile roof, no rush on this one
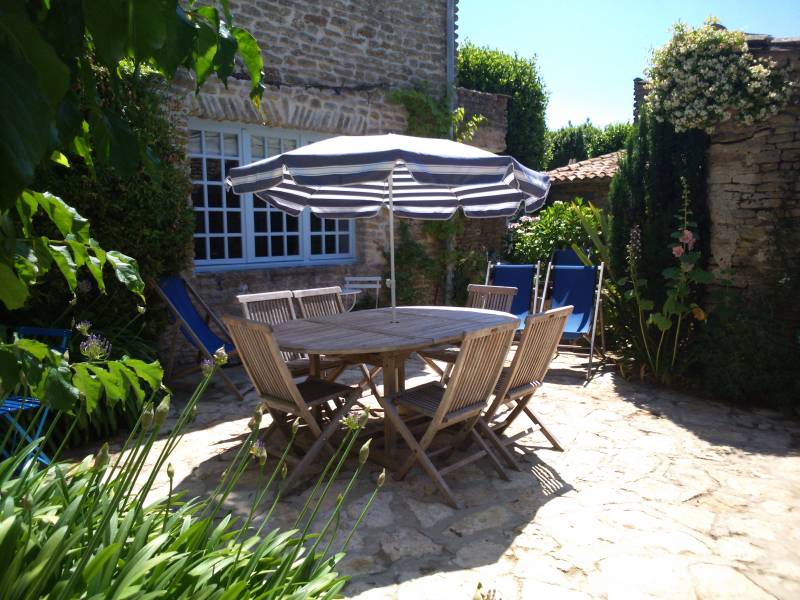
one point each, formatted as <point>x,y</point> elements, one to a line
<point>599,167</point>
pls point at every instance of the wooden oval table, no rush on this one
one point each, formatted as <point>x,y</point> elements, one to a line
<point>370,336</point>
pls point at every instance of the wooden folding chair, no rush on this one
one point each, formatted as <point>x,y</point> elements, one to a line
<point>475,375</point>
<point>274,308</point>
<point>520,380</point>
<point>284,398</point>
<point>489,297</point>
<point>359,284</point>
<point>325,302</point>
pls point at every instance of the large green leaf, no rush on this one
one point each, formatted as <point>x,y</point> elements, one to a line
<point>253,61</point>
<point>204,52</point>
<point>226,52</point>
<point>147,29</point>
<point>152,372</point>
<point>127,271</point>
<point>107,24</point>
<point>13,291</point>
<point>113,385</point>
<point>89,386</point>
<point>63,259</point>
<point>9,371</point>
<point>178,44</point>
<point>63,216</point>
<point>59,393</point>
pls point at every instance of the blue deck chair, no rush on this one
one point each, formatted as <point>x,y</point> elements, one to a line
<point>13,406</point>
<point>183,301</point>
<point>523,277</point>
<point>580,286</point>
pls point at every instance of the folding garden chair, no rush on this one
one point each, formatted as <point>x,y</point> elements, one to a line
<point>523,277</point>
<point>456,406</point>
<point>581,287</point>
<point>12,407</point>
<point>274,308</point>
<point>182,300</point>
<point>520,380</point>
<point>353,284</point>
<point>325,302</point>
<point>490,297</point>
<point>285,399</point>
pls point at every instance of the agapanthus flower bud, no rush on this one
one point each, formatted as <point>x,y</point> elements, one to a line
<point>95,347</point>
<point>382,478</point>
<point>295,425</point>
<point>284,471</point>
<point>162,410</point>
<point>220,356</point>
<point>363,454</point>
<point>83,327</point>
<point>255,421</point>
<point>101,458</point>
<point>27,502</point>
<point>207,367</point>
<point>147,416</point>
<point>259,451</point>
<point>193,412</point>
<point>141,309</point>
<point>170,471</point>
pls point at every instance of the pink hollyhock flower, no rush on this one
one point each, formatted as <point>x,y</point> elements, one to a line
<point>687,237</point>
<point>677,251</point>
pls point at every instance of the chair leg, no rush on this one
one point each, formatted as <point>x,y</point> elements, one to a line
<point>334,373</point>
<point>446,375</point>
<point>545,431</point>
<point>498,444</point>
<point>368,375</point>
<point>316,448</point>
<point>488,451</point>
<point>432,364</point>
<point>418,454</point>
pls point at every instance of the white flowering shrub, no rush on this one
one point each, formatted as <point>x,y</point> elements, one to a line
<point>706,75</point>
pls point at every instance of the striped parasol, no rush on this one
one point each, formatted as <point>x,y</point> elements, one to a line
<point>355,176</point>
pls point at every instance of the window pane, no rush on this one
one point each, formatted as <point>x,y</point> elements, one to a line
<point>276,245</point>
<point>230,164</point>
<point>214,196</point>
<point>213,169</point>
<point>344,224</point>
<point>316,223</point>
<point>196,168</point>
<point>273,146</point>
<point>329,225</point>
<point>316,244</point>
<point>261,245</point>
<point>232,200</point>
<point>195,145</point>
<point>260,221</point>
<point>293,245</point>
<point>197,196</point>
<point>199,222</point>
<point>289,144</point>
<point>344,244</point>
<point>275,221</point>
<point>231,144</point>
<point>217,247</point>
<point>257,147</point>
<point>200,248</point>
<point>330,244</point>
<point>292,223</point>
<point>234,247</point>
<point>234,222</point>
<point>215,224</point>
<point>212,143</point>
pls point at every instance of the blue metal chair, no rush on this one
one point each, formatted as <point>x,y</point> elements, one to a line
<point>12,407</point>
<point>523,277</point>
<point>580,286</point>
<point>183,301</point>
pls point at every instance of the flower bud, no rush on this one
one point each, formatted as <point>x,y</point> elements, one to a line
<point>27,502</point>
<point>162,411</point>
<point>101,458</point>
<point>147,416</point>
<point>382,478</point>
<point>141,309</point>
<point>220,356</point>
<point>193,412</point>
<point>295,425</point>
<point>284,471</point>
<point>363,454</point>
<point>255,421</point>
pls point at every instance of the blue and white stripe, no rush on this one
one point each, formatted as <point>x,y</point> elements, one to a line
<point>347,177</point>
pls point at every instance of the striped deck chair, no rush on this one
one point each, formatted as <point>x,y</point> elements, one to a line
<point>183,301</point>
<point>11,408</point>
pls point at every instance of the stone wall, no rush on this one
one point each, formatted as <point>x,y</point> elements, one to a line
<point>491,135</point>
<point>591,190</point>
<point>754,191</point>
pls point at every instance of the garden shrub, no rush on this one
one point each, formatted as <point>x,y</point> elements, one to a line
<point>532,239</point>
<point>488,70</point>
<point>584,141</point>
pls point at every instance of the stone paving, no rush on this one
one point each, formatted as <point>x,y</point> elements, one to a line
<point>658,495</point>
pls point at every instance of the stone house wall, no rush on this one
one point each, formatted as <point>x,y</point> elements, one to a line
<point>591,190</point>
<point>329,68</point>
<point>754,190</point>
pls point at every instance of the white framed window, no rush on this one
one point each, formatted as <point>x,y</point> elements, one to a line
<point>233,232</point>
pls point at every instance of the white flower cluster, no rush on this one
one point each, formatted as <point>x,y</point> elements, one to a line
<point>706,75</point>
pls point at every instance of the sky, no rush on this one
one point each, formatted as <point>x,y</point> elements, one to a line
<point>589,52</point>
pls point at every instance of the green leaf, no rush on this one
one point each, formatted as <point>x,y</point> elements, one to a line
<point>88,384</point>
<point>9,371</point>
<point>226,52</point>
<point>79,252</point>
<point>107,24</point>
<point>178,44</point>
<point>63,216</point>
<point>662,322</point>
<point>63,259</point>
<point>127,271</point>
<point>701,276</point>
<point>39,350</point>
<point>152,372</point>
<point>96,263</point>
<point>13,291</point>
<point>113,385</point>
<point>59,158</point>
<point>147,30</point>
<point>59,393</point>
<point>204,52</point>
<point>129,377</point>
<point>27,207</point>
<point>646,304</point>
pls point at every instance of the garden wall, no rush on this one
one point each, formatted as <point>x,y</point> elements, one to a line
<point>754,188</point>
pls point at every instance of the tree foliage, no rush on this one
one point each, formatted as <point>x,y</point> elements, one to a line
<point>584,141</point>
<point>488,70</point>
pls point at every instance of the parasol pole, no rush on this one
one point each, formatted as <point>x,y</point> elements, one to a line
<point>391,248</point>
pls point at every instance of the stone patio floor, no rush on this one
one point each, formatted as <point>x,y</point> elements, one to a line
<point>657,495</point>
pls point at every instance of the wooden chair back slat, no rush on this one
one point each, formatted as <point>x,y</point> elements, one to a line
<point>262,360</point>
<point>490,297</point>
<point>476,370</point>
<point>272,308</point>
<point>319,302</point>
<point>536,348</point>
